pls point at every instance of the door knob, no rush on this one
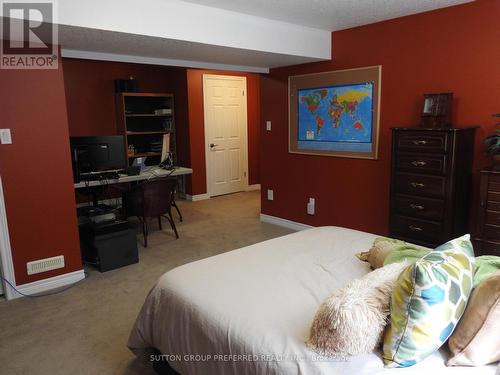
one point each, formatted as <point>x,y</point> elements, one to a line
<point>212,145</point>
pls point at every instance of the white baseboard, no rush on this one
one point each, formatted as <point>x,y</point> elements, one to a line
<point>44,285</point>
<point>253,187</point>
<point>284,222</point>
<point>200,197</point>
<point>197,197</point>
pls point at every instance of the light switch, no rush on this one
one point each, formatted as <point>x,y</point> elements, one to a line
<point>270,195</point>
<point>268,126</point>
<point>5,137</point>
<point>311,206</point>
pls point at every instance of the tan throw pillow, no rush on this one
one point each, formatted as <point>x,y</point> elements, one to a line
<point>476,340</point>
<point>379,250</point>
<point>352,320</point>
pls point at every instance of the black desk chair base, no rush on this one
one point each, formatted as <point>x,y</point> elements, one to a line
<point>177,208</point>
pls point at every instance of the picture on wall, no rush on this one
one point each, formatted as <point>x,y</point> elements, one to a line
<point>335,113</point>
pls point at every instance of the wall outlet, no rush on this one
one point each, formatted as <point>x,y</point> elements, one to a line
<point>311,206</point>
<point>270,195</point>
<point>5,137</point>
<point>268,126</point>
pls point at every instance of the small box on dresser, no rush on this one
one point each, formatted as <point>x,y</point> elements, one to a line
<point>487,239</point>
<point>430,184</point>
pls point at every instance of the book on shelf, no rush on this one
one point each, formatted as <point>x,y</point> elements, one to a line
<point>163,111</point>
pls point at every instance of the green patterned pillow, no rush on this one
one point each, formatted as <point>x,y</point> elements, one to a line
<point>427,302</point>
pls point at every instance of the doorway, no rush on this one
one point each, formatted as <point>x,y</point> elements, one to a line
<point>226,145</point>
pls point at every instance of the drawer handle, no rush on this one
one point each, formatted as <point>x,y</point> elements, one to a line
<point>419,142</point>
<point>418,163</point>
<point>416,206</point>
<point>417,184</point>
<point>414,228</point>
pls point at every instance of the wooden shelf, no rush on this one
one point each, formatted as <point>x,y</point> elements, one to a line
<point>142,128</point>
<point>148,132</point>
<point>146,94</point>
<point>143,154</point>
<point>146,115</point>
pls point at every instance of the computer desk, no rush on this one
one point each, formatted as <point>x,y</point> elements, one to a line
<point>117,254</point>
<point>146,174</point>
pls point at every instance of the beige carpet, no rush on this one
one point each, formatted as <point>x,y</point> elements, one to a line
<point>84,330</point>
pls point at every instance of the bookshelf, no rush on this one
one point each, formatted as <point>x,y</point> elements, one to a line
<point>145,119</point>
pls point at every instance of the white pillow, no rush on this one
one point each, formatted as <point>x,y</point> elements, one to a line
<point>352,320</point>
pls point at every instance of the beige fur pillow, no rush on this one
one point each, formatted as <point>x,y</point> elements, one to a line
<point>352,320</point>
<point>379,250</point>
<point>476,340</point>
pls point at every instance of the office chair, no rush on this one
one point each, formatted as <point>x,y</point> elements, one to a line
<point>174,205</point>
<point>149,200</point>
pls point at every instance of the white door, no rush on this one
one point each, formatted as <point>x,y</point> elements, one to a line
<point>225,108</point>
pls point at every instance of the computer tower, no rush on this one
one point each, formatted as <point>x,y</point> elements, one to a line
<point>108,246</point>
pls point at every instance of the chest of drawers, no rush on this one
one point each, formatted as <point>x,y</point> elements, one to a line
<point>430,184</point>
<point>488,221</point>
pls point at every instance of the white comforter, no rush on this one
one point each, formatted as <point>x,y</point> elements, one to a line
<point>248,311</point>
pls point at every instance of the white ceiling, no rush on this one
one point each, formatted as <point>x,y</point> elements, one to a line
<point>329,15</point>
<point>108,45</point>
<point>175,32</point>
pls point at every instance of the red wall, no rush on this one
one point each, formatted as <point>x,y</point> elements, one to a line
<point>197,126</point>
<point>36,171</point>
<point>453,49</point>
<point>90,94</point>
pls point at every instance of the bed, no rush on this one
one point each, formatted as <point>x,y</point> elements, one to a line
<point>248,311</point>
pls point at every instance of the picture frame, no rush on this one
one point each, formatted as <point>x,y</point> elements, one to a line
<point>437,110</point>
<point>335,113</point>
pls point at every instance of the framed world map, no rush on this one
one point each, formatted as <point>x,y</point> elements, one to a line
<point>335,113</point>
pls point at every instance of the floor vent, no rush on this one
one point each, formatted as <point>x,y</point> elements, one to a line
<point>46,264</point>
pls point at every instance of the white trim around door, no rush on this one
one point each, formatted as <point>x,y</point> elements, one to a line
<point>6,263</point>
<point>208,132</point>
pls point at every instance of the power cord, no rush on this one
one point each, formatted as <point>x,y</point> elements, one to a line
<point>154,174</point>
<point>44,294</point>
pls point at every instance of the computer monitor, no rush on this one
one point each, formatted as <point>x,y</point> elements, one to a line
<point>95,154</point>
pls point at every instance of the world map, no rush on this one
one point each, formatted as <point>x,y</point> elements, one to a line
<point>336,114</point>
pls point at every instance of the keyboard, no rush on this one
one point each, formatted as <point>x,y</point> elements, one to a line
<point>100,176</point>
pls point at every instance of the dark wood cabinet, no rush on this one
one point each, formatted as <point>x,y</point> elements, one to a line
<point>430,184</point>
<point>487,239</point>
